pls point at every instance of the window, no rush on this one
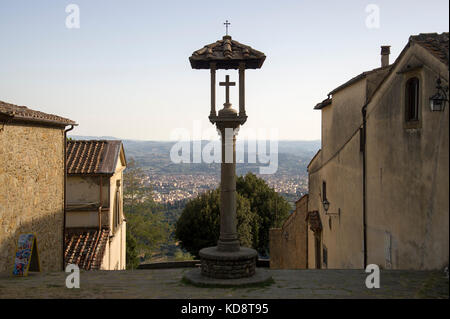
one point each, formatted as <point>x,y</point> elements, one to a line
<point>116,212</point>
<point>324,191</point>
<point>412,100</point>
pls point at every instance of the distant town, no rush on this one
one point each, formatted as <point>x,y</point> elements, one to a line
<point>174,183</point>
<point>173,188</point>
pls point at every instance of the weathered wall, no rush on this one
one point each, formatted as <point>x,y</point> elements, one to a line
<point>342,233</point>
<point>86,190</point>
<point>115,253</point>
<point>408,184</point>
<point>31,192</point>
<point>114,258</point>
<point>407,174</point>
<point>88,219</point>
<point>339,164</point>
<point>288,245</point>
<point>342,117</point>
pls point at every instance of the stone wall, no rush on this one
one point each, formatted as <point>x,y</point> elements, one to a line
<point>288,245</point>
<point>31,192</point>
<point>228,269</point>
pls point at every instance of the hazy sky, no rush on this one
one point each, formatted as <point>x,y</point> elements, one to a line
<point>125,71</point>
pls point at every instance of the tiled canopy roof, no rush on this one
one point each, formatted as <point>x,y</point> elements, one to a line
<point>227,54</point>
<point>85,247</point>
<point>92,156</point>
<point>436,43</point>
<point>314,221</point>
<point>22,113</point>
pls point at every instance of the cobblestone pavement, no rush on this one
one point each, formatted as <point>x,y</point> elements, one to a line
<point>167,283</point>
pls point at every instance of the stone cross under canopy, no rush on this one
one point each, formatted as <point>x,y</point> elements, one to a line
<point>227,85</point>
<point>227,54</point>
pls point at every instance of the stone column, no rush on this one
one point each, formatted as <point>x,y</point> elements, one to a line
<point>213,89</point>
<point>228,240</point>
<point>242,89</point>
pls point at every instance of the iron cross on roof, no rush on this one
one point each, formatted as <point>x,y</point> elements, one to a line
<point>226,26</point>
<point>227,85</point>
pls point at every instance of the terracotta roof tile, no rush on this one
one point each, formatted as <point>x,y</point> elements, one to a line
<point>92,156</point>
<point>227,53</point>
<point>436,43</point>
<point>359,77</point>
<point>85,247</point>
<point>23,113</point>
<point>323,104</point>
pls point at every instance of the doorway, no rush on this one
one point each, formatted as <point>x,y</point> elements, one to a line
<point>317,247</point>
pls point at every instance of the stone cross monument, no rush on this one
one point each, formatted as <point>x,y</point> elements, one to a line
<point>228,262</point>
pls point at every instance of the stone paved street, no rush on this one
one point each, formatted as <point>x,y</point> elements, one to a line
<point>166,283</point>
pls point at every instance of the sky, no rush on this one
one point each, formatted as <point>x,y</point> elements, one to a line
<point>125,71</point>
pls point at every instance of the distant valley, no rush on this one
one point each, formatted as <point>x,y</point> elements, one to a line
<point>174,182</point>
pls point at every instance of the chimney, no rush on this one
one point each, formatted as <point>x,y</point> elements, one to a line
<point>385,51</point>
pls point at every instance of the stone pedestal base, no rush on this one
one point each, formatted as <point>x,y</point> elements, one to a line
<point>228,265</point>
<point>261,277</point>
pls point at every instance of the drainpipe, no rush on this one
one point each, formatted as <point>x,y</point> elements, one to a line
<point>65,192</point>
<point>364,177</point>
<point>100,206</point>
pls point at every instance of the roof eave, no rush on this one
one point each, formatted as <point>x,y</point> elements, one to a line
<point>225,63</point>
<point>42,121</point>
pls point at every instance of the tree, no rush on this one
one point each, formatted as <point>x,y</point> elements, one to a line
<point>258,209</point>
<point>270,208</point>
<point>132,253</point>
<point>146,223</point>
<point>199,224</point>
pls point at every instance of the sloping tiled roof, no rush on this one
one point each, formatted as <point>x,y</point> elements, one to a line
<point>436,43</point>
<point>85,247</point>
<point>359,77</point>
<point>92,156</point>
<point>227,54</point>
<point>22,113</point>
<point>323,104</point>
<point>314,157</point>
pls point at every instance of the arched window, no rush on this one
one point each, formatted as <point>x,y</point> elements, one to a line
<point>412,100</point>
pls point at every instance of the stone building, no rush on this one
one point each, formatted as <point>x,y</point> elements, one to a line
<point>95,225</point>
<point>288,244</point>
<point>31,183</point>
<point>378,188</point>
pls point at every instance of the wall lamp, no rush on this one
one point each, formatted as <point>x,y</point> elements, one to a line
<point>326,205</point>
<point>437,101</point>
